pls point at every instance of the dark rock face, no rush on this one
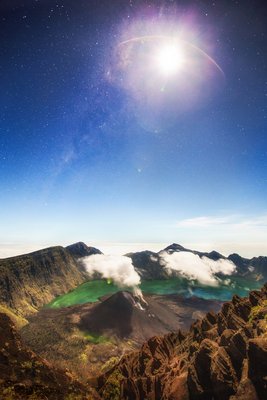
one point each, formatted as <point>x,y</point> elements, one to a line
<point>147,265</point>
<point>222,357</point>
<point>257,362</point>
<point>80,249</point>
<point>29,281</point>
<point>213,255</point>
<point>24,375</point>
<point>256,266</point>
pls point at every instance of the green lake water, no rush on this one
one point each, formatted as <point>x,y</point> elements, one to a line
<point>93,290</point>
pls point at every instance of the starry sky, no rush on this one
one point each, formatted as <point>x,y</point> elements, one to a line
<point>94,150</point>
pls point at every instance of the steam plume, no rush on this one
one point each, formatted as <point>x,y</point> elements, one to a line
<point>118,268</point>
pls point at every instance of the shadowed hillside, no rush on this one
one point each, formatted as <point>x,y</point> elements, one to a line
<point>29,281</point>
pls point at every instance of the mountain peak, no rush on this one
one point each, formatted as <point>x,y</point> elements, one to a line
<point>80,249</point>
<point>120,301</point>
<point>175,246</point>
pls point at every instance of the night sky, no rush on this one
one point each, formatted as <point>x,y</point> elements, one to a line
<point>97,145</point>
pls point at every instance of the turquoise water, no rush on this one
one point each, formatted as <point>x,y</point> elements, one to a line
<point>93,290</point>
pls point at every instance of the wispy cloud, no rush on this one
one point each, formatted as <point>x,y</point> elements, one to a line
<point>204,221</point>
<point>230,221</point>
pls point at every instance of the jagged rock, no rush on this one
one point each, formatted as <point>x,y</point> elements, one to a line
<point>225,337</point>
<point>231,317</point>
<point>223,378</point>
<point>211,374</point>
<point>254,297</point>
<point>199,379</point>
<point>208,321</point>
<point>236,349</point>
<point>220,358</point>
<point>257,365</point>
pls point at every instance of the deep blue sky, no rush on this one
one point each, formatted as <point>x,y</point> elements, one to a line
<point>76,161</point>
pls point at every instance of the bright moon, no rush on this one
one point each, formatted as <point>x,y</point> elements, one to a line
<point>169,59</point>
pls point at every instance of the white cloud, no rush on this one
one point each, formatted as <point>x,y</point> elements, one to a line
<point>118,268</point>
<point>192,266</point>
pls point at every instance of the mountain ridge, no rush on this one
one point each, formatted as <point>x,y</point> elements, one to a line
<point>148,264</point>
<point>29,281</point>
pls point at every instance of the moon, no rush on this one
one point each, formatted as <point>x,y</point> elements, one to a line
<point>163,77</point>
<point>170,58</point>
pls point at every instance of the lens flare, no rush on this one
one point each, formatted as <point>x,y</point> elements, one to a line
<point>164,77</point>
<point>170,58</point>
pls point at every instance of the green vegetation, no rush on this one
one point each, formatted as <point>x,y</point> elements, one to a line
<point>92,291</point>
<point>16,319</point>
<point>112,386</point>
<point>257,310</point>
<point>96,339</point>
<point>110,364</point>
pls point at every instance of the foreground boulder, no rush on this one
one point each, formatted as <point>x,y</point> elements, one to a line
<point>257,365</point>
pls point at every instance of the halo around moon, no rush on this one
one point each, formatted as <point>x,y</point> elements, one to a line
<point>164,77</point>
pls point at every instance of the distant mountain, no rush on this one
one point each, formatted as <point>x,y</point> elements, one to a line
<point>80,249</point>
<point>148,264</point>
<point>255,267</point>
<point>213,255</point>
<point>222,357</point>
<point>29,281</point>
<point>24,375</point>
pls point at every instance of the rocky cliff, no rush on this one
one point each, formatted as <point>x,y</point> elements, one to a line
<point>29,281</point>
<point>223,356</point>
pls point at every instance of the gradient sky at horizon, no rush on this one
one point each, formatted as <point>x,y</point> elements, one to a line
<point>77,162</point>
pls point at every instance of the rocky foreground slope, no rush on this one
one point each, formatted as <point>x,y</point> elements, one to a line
<point>24,375</point>
<point>29,281</point>
<point>223,356</point>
